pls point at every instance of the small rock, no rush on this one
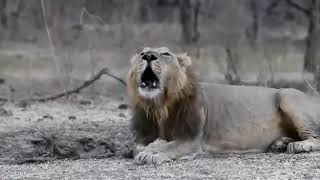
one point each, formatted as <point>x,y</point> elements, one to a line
<point>4,112</point>
<point>2,81</point>
<point>72,117</point>
<point>123,106</point>
<point>85,102</point>
<point>40,119</point>
<point>47,117</point>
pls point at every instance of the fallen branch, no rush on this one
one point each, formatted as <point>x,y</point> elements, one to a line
<point>104,71</point>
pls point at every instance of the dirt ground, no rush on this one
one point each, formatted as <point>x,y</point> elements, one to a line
<point>84,139</point>
<point>249,166</point>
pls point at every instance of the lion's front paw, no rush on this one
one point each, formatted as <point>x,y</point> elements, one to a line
<point>280,145</point>
<point>149,157</point>
<point>299,147</point>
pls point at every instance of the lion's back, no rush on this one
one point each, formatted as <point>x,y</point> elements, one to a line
<point>239,101</point>
<point>260,98</point>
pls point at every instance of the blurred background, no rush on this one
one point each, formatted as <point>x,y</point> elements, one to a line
<point>47,46</point>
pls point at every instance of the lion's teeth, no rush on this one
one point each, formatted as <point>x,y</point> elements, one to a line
<point>143,84</point>
<point>154,84</point>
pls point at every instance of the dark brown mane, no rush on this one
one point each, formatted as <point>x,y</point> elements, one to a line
<point>182,120</point>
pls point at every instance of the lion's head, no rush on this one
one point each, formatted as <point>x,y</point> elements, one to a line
<point>157,73</point>
<point>164,95</point>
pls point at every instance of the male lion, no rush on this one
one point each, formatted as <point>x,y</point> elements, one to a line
<point>175,117</point>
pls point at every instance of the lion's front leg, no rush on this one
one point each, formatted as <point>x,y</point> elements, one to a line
<point>303,113</point>
<point>162,151</point>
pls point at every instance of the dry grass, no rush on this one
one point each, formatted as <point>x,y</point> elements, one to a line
<point>60,130</point>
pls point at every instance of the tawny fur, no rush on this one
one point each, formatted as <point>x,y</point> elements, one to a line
<point>190,118</point>
<point>180,90</point>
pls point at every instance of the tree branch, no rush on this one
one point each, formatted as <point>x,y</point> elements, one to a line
<point>272,6</point>
<point>107,72</point>
<point>104,71</point>
<point>299,7</point>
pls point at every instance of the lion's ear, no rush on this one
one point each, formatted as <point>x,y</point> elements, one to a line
<point>184,60</point>
<point>134,58</point>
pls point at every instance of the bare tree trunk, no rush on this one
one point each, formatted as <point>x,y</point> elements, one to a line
<point>312,41</point>
<point>145,10</point>
<point>232,75</point>
<point>36,15</point>
<point>317,78</point>
<point>312,13</point>
<point>4,19</point>
<point>56,19</point>
<point>189,11</point>
<point>10,14</point>
<point>253,30</point>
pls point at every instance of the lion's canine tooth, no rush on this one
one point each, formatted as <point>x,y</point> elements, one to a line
<point>143,84</point>
<point>154,84</point>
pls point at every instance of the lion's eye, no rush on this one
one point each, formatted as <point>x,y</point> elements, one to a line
<point>142,53</point>
<point>165,54</point>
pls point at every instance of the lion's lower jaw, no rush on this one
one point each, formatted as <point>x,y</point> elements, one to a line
<point>149,94</point>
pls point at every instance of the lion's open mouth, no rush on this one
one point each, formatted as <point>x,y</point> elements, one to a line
<point>149,84</point>
<point>149,80</point>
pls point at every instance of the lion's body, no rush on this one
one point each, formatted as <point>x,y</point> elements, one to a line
<point>241,118</point>
<point>181,118</point>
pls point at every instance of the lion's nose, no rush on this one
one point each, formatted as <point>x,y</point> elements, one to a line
<point>149,56</point>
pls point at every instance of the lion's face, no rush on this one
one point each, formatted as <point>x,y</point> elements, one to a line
<point>157,70</point>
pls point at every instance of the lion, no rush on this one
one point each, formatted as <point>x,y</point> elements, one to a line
<point>177,117</point>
